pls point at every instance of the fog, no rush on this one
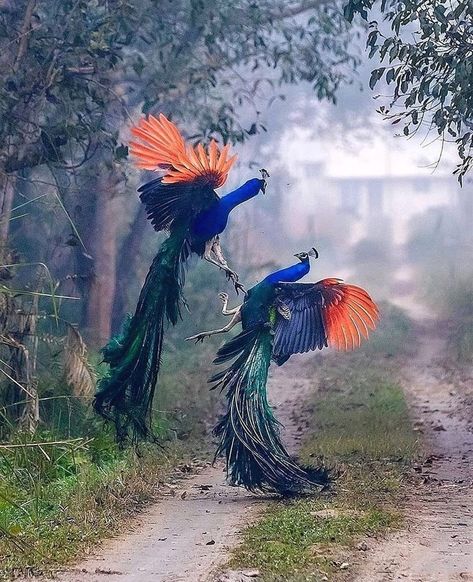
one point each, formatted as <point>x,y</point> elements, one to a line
<point>384,211</point>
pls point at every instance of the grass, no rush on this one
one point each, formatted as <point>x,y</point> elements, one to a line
<point>58,500</point>
<point>52,514</point>
<point>459,312</point>
<point>292,543</point>
<point>360,427</point>
<point>68,486</point>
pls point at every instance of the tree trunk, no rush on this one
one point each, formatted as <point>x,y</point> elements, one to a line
<point>103,250</point>
<point>7,192</point>
<point>127,266</point>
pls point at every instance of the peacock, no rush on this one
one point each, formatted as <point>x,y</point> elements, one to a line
<point>183,202</point>
<point>279,318</point>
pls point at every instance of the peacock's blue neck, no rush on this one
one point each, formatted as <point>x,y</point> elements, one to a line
<point>290,274</point>
<point>249,190</point>
<point>213,221</point>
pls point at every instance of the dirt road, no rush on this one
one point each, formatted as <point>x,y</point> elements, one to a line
<point>437,544</point>
<point>186,536</point>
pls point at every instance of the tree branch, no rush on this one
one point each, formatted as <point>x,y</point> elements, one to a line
<point>25,28</point>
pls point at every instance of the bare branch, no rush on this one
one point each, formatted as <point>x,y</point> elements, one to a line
<point>25,29</point>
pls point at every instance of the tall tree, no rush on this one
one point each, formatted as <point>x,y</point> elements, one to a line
<point>428,61</point>
<point>73,72</point>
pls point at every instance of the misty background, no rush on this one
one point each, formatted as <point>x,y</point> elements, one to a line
<point>384,210</point>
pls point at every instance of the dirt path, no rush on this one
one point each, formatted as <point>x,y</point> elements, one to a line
<point>186,536</point>
<point>437,545</point>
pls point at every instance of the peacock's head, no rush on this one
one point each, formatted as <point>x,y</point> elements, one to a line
<point>264,183</point>
<point>305,256</point>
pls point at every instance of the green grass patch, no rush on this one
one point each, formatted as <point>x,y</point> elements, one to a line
<point>300,540</point>
<point>362,414</point>
<point>360,428</point>
<point>69,485</point>
<point>57,501</point>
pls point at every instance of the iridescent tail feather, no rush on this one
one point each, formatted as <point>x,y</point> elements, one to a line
<point>248,433</point>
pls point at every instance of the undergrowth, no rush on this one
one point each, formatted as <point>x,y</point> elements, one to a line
<point>69,485</point>
<point>57,500</point>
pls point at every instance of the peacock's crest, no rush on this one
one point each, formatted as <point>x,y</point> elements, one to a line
<point>163,148</point>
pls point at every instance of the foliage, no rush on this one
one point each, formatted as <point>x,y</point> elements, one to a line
<point>460,316</point>
<point>439,247</point>
<point>78,371</point>
<point>73,74</point>
<point>71,68</point>
<point>76,73</point>
<point>428,57</point>
<point>58,498</point>
<point>32,338</point>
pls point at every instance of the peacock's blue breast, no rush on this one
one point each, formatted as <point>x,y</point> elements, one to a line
<point>209,223</point>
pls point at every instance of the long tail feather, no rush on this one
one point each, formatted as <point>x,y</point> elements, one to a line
<point>249,433</point>
<point>125,395</point>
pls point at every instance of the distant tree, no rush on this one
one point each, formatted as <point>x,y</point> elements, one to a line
<point>62,61</point>
<point>74,72</point>
<point>428,57</point>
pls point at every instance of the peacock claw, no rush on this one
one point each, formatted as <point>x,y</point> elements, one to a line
<point>239,287</point>
<point>223,296</point>
<point>197,338</point>
<point>231,275</point>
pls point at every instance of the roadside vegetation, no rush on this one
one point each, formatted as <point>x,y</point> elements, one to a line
<point>68,485</point>
<point>359,427</point>
<point>58,500</point>
<point>451,295</point>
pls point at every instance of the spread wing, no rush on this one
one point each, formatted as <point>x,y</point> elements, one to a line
<point>327,313</point>
<point>189,175</point>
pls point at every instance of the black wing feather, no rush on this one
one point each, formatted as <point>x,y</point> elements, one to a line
<point>170,205</point>
<point>305,330</point>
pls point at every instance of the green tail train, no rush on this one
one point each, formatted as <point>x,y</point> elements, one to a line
<point>125,395</point>
<point>248,432</point>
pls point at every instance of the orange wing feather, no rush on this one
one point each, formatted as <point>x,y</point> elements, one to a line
<point>348,312</point>
<point>162,148</point>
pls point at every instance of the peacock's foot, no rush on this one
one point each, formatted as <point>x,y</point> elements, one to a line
<point>199,337</point>
<point>223,297</point>
<point>233,277</point>
<point>239,287</point>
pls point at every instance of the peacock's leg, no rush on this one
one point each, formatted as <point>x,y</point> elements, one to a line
<point>209,255</point>
<point>218,252</point>
<point>224,299</point>
<point>201,336</point>
<point>214,255</point>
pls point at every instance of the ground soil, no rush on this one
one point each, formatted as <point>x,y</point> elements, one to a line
<point>436,544</point>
